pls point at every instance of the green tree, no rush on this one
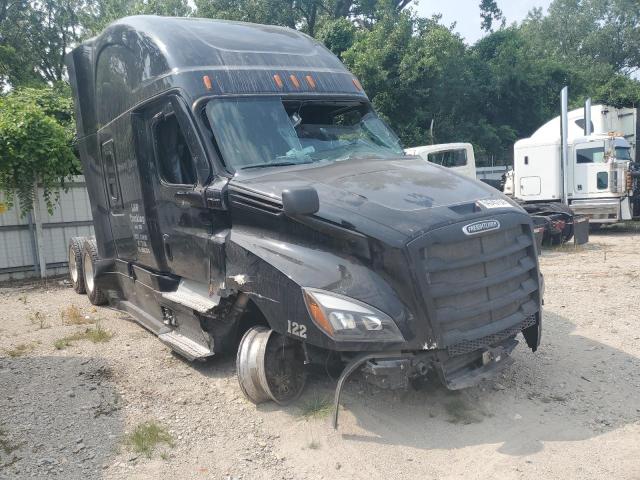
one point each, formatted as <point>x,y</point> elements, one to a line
<point>107,11</point>
<point>587,31</point>
<point>36,134</point>
<point>17,60</point>
<point>306,15</point>
<point>489,13</point>
<point>337,35</point>
<point>415,72</point>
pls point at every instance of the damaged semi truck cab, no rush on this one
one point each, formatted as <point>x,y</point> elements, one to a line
<point>242,186</point>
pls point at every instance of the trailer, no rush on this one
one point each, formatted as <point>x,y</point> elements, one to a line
<point>247,199</point>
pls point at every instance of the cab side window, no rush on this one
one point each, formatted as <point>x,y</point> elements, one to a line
<point>591,155</point>
<point>175,161</point>
<point>449,158</point>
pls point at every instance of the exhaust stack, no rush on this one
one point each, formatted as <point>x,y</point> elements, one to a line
<point>564,135</point>
<point>587,118</point>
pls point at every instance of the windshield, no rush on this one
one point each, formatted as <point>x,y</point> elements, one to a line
<point>268,132</point>
<point>623,153</point>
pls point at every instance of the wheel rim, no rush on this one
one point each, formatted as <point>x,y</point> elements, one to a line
<point>270,366</point>
<point>73,266</point>
<point>282,374</point>
<point>88,272</point>
<point>247,365</point>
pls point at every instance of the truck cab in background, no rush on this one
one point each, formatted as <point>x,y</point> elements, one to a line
<point>600,178</point>
<point>459,157</point>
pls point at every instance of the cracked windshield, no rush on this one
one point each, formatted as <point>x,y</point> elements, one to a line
<point>267,132</point>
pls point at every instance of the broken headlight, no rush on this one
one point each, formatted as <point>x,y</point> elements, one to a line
<point>346,319</point>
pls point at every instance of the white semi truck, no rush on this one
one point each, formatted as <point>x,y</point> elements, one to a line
<point>460,158</point>
<point>589,165</point>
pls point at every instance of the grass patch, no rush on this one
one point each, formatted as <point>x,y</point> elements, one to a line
<point>20,350</point>
<point>39,319</point>
<point>146,436</point>
<point>316,407</point>
<point>460,413</point>
<point>96,334</point>
<point>72,315</point>
<point>568,247</point>
<point>62,343</point>
<point>313,445</point>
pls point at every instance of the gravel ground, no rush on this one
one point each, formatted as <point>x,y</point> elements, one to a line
<point>571,410</point>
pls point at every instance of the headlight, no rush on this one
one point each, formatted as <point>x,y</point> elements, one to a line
<point>344,318</point>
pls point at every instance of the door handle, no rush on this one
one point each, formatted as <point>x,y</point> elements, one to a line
<point>193,197</point>
<point>167,247</point>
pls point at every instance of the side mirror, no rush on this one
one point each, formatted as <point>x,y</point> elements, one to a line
<point>300,201</point>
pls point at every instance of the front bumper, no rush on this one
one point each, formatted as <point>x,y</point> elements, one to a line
<point>396,370</point>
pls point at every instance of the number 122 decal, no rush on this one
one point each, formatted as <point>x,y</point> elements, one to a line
<point>294,328</point>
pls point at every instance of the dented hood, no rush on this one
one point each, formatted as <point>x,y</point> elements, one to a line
<point>406,194</point>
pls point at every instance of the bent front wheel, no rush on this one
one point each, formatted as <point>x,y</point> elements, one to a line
<point>270,366</point>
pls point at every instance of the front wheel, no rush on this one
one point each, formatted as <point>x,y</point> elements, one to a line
<point>270,366</point>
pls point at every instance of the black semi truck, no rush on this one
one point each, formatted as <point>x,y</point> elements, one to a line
<point>247,197</point>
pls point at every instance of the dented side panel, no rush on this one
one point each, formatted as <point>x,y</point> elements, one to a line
<point>273,272</point>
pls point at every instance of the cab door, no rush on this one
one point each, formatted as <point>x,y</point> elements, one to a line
<point>120,227</point>
<point>590,169</point>
<point>182,226</point>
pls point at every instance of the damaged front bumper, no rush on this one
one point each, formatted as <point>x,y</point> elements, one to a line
<point>396,369</point>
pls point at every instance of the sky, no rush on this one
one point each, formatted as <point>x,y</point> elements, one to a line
<point>466,13</point>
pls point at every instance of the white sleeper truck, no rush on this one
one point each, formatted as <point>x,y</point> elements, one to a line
<point>599,178</point>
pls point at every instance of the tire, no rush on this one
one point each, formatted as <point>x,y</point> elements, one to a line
<point>89,259</point>
<point>270,366</point>
<point>76,273</point>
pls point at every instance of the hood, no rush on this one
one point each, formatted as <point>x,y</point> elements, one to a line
<point>406,194</point>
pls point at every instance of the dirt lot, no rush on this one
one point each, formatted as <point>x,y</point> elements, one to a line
<point>571,410</point>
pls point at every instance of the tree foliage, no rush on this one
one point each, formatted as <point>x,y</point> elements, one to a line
<point>489,13</point>
<point>36,133</point>
<point>306,15</point>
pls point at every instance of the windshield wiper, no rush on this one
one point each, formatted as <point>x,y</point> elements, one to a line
<point>275,164</point>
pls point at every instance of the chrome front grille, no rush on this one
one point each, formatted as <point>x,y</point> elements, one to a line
<point>475,286</point>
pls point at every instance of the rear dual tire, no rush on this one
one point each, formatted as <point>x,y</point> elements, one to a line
<point>90,258</point>
<point>76,273</point>
<point>83,256</point>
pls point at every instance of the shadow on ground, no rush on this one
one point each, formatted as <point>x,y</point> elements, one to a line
<point>59,417</point>
<point>572,389</point>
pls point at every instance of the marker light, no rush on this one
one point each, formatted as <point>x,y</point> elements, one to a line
<point>207,82</point>
<point>311,82</point>
<point>347,319</point>
<point>295,81</point>
<point>278,79</point>
<point>357,84</point>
